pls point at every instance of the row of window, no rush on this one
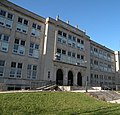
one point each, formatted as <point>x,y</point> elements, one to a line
<point>6,19</point>
<point>102,54</point>
<point>71,54</point>
<point>16,70</point>
<point>19,46</point>
<point>70,37</point>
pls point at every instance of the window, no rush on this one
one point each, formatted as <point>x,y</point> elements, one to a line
<point>2,13</point>
<point>2,64</point>
<point>64,52</point>
<point>78,40</point>
<point>34,25</point>
<point>38,27</point>
<point>58,50</point>
<point>64,34</point>
<point>10,16</point>
<point>20,19</point>
<point>19,47</point>
<point>73,55</point>
<point>34,50</point>
<point>69,37</point>
<point>74,39</point>
<point>16,70</point>
<point>32,71</point>
<point>49,74</point>
<point>4,39</point>
<point>78,56</point>
<point>69,53</point>
<point>82,57</point>
<point>59,32</point>
<point>82,42</point>
<point>26,22</point>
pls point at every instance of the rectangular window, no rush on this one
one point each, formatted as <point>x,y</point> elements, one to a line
<point>10,16</point>
<point>2,64</point>
<point>78,40</point>
<point>82,42</point>
<point>34,25</point>
<point>4,39</point>
<point>78,56</point>
<point>58,50</point>
<point>74,38</point>
<point>20,19</point>
<point>73,55</point>
<point>69,37</point>
<point>69,53</point>
<point>32,71</point>
<point>64,52</point>
<point>26,22</point>
<point>2,13</point>
<point>38,27</point>
<point>59,32</point>
<point>82,57</point>
<point>16,70</point>
<point>64,34</point>
<point>34,50</point>
<point>19,47</point>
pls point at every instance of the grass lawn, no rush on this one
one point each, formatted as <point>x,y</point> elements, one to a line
<point>54,103</point>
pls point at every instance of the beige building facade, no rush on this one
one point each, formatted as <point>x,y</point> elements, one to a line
<point>34,50</point>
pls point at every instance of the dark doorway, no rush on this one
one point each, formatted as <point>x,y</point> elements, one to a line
<point>59,77</point>
<point>79,79</point>
<point>70,78</point>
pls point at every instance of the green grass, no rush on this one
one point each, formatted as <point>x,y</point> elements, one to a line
<point>54,103</point>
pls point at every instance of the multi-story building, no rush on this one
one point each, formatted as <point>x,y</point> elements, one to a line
<point>102,64</point>
<point>21,42</point>
<point>34,50</point>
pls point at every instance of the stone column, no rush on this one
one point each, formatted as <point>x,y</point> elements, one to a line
<point>65,76</point>
<point>75,78</point>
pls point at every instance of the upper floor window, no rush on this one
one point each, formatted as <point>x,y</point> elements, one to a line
<point>6,19</point>
<point>34,50</point>
<point>20,20</point>
<point>4,42</point>
<point>2,13</point>
<point>19,47</point>
<point>59,32</point>
<point>2,64</point>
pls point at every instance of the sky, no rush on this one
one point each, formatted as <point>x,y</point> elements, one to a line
<point>99,18</point>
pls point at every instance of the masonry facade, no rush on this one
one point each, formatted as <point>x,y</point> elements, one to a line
<point>36,50</point>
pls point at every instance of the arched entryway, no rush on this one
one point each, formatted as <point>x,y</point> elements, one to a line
<point>59,77</point>
<point>79,79</point>
<point>70,78</point>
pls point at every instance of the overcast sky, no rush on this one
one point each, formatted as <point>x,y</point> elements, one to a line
<point>100,18</point>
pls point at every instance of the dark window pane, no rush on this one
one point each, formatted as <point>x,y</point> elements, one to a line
<point>59,32</point>
<point>82,42</point>
<point>64,34</point>
<point>64,52</point>
<point>2,63</point>
<point>36,46</point>
<point>10,16</point>
<point>16,41</point>
<point>73,54</point>
<point>58,50</point>
<point>25,22</point>
<point>20,20</point>
<point>22,43</point>
<point>69,53</point>
<point>82,57</point>
<point>78,40</point>
<point>39,27</point>
<point>13,64</point>
<point>31,45</point>
<point>3,13</point>
<point>78,56</point>
<point>34,67</point>
<point>6,38</point>
<point>19,65</point>
<point>34,25</point>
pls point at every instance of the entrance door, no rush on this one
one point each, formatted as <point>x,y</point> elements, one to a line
<point>70,78</point>
<point>79,79</point>
<point>59,77</point>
